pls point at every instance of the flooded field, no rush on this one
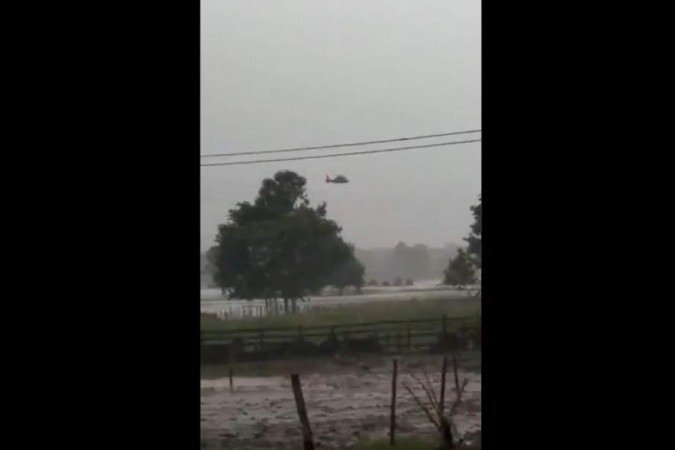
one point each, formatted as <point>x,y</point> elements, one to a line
<point>213,302</point>
<point>347,400</point>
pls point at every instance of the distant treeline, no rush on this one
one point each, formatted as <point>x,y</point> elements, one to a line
<point>206,272</point>
<point>417,262</point>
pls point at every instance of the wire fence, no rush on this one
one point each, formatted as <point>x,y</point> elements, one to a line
<point>385,337</point>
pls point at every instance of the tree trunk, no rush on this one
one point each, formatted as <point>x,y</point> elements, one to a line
<point>285,305</point>
<point>447,434</point>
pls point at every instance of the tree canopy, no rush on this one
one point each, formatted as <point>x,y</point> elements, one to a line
<point>410,262</point>
<point>461,270</point>
<point>475,247</point>
<point>279,246</point>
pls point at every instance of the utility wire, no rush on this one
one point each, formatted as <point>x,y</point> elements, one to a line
<point>395,149</point>
<point>351,144</point>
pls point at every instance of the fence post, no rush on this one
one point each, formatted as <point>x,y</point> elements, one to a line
<point>302,412</point>
<point>392,425</point>
<point>231,384</point>
<point>409,341</point>
<point>454,366</point>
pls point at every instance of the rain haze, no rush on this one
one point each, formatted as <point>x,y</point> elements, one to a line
<point>298,329</point>
<point>306,72</point>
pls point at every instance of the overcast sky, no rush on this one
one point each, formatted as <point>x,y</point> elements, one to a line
<point>292,73</point>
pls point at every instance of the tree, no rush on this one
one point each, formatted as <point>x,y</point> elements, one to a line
<point>420,262</point>
<point>348,273</point>
<point>410,262</point>
<point>475,247</point>
<point>461,270</point>
<point>279,246</point>
<point>209,270</point>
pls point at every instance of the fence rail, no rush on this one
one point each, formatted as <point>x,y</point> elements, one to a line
<point>384,336</point>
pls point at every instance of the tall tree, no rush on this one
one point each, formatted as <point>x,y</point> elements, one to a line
<point>475,247</point>
<point>420,261</point>
<point>461,270</point>
<point>410,262</point>
<point>348,273</point>
<point>279,246</point>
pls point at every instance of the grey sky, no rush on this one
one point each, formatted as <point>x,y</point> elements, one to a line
<point>294,73</point>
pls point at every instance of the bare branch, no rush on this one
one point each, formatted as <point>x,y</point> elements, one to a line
<point>434,402</point>
<point>424,408</point>
<point>430,396</point>
<point>459,397</point>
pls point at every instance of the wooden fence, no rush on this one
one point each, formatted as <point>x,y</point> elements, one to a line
<point>390,336</point>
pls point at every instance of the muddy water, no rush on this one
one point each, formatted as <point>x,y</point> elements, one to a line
<point>213,303</point>
<point>344,407</point>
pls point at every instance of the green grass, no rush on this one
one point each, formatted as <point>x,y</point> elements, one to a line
<point>282,367</point>
<point>354,313</point>
<point>211,322</point>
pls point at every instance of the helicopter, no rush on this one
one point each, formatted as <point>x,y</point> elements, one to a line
<point>338,179</point>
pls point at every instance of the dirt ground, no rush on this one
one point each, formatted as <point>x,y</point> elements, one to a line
<point>347,400</point>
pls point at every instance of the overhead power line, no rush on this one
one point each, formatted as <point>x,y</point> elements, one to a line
<point>351,144</point>
<point>334,155</point>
